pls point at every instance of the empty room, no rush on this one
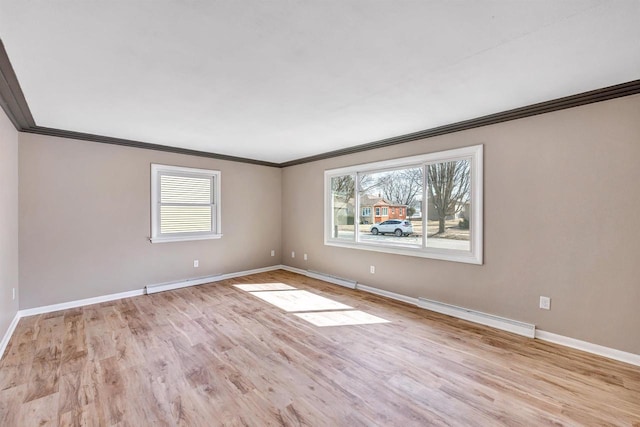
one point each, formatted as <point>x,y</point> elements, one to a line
<point>319,213</point>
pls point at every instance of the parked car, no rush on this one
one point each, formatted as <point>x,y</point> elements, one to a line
<point>396,226</point>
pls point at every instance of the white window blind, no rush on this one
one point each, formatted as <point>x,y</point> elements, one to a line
<point>184,205</point>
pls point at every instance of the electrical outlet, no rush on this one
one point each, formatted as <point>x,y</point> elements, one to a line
<point>196,263</point>
<point>305,257</point>
<point>273,252</point>
<point>372,269</point>
<point>14,293</point>
<point>293,254</point>
<point>545,303</point>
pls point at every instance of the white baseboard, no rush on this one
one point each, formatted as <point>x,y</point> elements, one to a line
<point>611,353</point>
<point>135,292</point>
<point>79,303</point>
<point>388,294</point>
<point>168,286</point>
<point>351,284</point>
<point>497,322</point>
<point>293,269</point>
<point>249,272</point>
<point>525,329</point>
<point>9,333</point>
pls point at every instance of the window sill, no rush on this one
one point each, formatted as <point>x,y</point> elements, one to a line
<point>440,254</point>
<point>166,239</point>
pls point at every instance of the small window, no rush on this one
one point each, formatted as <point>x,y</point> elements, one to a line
<point>184,204</point>
<point>385,211</point>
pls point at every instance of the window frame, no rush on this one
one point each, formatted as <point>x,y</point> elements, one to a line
<point>157,170</point>
<point>474,154</point>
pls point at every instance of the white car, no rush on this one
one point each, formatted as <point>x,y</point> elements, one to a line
<point>396,226</point>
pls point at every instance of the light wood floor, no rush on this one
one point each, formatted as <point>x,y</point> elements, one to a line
<point>217,355</point>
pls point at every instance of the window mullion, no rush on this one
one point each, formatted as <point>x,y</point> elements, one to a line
<point>425,204</point>
<point>356,214</point>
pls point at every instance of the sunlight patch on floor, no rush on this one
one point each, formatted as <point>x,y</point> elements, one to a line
<point>265,287</point>
<point>315,309</point>
<point>299,301</point>
<point>341,318</point>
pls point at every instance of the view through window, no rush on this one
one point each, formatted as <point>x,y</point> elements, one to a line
<point>428,205</point>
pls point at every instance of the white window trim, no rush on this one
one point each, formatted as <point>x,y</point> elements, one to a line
<point>156,169</point>
<point>475,256</point>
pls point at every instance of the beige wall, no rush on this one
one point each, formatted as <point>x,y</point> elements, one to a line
<point>8,222</point>
<point>560,197</point>
<point>85,221</point>
<point>560,202</point>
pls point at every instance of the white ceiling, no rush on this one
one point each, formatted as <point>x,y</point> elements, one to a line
<point>280,80</point>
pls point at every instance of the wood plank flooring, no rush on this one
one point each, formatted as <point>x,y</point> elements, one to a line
<point>216,355</point>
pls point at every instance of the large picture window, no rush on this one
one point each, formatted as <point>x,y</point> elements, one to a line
<point>428,206</point>
<point>184,203</point>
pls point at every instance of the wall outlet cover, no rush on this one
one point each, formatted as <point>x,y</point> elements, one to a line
<point>545,303</point>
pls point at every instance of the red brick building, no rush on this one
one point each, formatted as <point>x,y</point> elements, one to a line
<point>377,209</point>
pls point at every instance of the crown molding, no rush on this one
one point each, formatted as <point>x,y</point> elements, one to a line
<point>15,106</point>
<point>12,99</point>
<point>39,130</point>
<point>598,95</point>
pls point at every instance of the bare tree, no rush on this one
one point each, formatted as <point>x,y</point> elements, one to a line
<point>401,187</point>
<point>342,187</point>
<point>449,185</point>
<point>366,182</point>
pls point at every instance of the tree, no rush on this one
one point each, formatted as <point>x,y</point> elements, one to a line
<point>366,182</point>
<point>449,185</point>
<point>401,187</point>
<point>342,187</point>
